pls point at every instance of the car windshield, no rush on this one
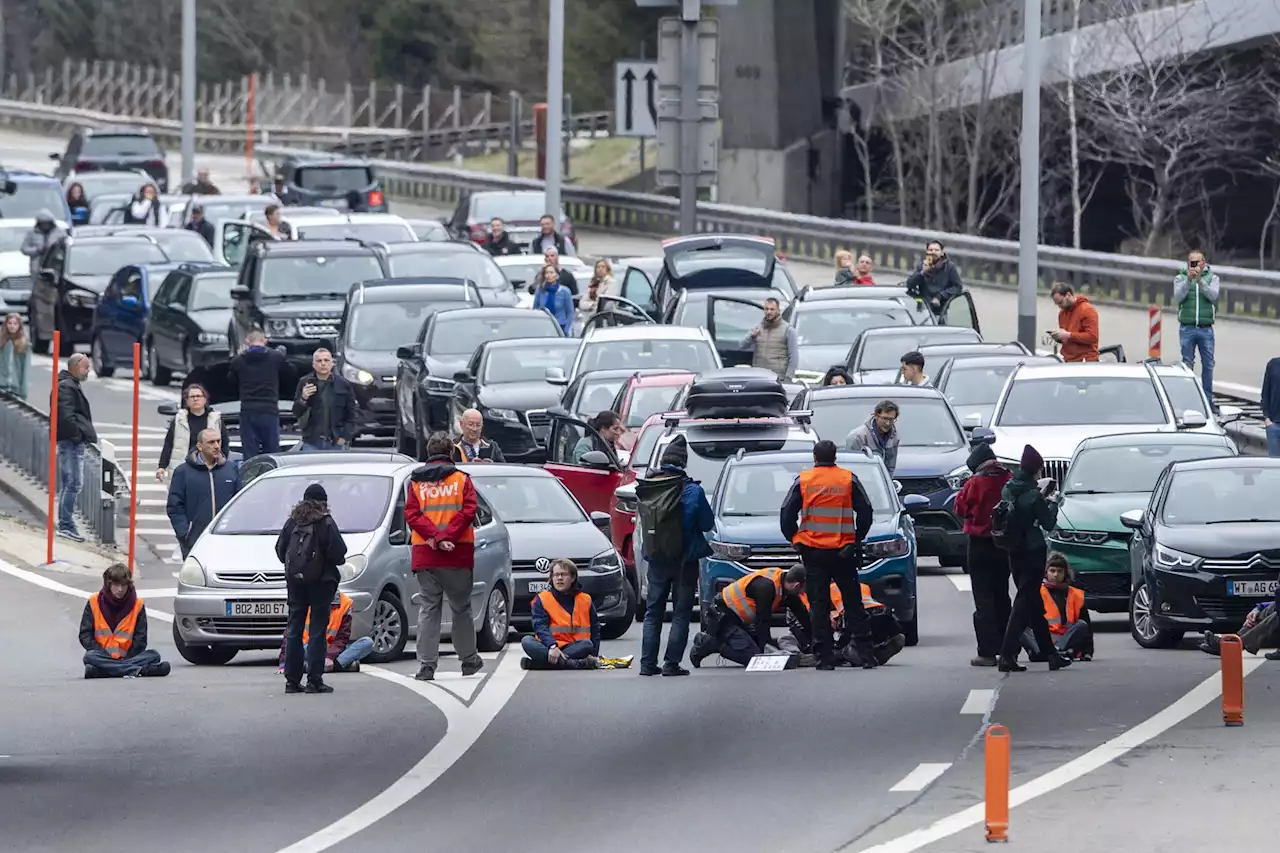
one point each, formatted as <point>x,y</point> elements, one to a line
<point>11,238</point>
<point>537,500</point>
<point>358,505</point>
<point>922,422</point>
<point>1184,394</point>
<point>384,326</point>
<point>333,179</point>
<point>643,448</point>
<point>111,183</point>
<point>212,291</point>
<point>107,257</point>
<point>30,198</point>
<point>182,246</point>
<point>755,490</point>
<point>1132,468</point>
<point>751,259</point>
<point>464,263</point>
<point>824,324</point>
<point>1081,401</point>
<point>596,396</point>
<point>976,386</point>
<point>316,275</point>
<point>428,231</point>
<point>708,458</point>
<point>1223,495</point>
<point>372,232</point>
<point>650,400</point>
<point>243,209</point>
<point>526,271</point>
<point>695,356</point>
<point>125,147</point>
<point>462,336</point>
<point>514,207</point>
<point>525,364</point>
<point>884,352</point>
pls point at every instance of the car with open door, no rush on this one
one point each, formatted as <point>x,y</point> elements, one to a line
<point>876,354</point>
<point>634,278</point>
<point>230,207</point>
<point>187,325</point>
<point>716,263</point>
<point>584,461</point>
<point>612,312</point>
<point>178,244</point>
<point>894,293</point>
<point>224,395</point>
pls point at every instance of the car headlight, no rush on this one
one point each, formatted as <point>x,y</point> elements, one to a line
<point>956,479</point>
<point>353,567</point>
<point>730,551</point>
<point>213,338</point>
<point>1080,537</point>
<point>885,548</point>
<point>191,573</point>
<point>605,562</point>
<point>503,415</point>
<point>351,373</point>
<point>281,328</point>
<point>80,298</point>
<point>1167,558</point>
<point>628,505</point>
<point>441,386</point>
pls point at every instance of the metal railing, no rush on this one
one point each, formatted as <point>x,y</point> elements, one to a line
<point>24,443</point>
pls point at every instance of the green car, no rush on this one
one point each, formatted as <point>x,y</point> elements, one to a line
<point>1110,475</point>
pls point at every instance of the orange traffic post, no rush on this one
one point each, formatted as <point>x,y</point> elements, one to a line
<point>133,461</point>
<point>1153,331</point>
<point>540,137</point>
<point>53,446</point>
<point>1232,680</point>
<point>997,750</point>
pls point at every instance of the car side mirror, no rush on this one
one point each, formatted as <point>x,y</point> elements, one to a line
<point>555,376</point>
<point>1132,519</point>
<point>398,537</point>
<point>915,504</point>
<point>410,352</point>
<point>130,301</point>
<point>600,519</point>
<point>462,376</point>
<point>973,420</point>
<point>982,435</point>
<point>1191,419</point>
<point>597,459</point>
<point>1229,414</point>
<point>167,409</point>
<point>240,292</point>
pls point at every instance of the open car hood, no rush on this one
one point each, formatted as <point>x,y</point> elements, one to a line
<point>224,392</point>
<point>701,252</point>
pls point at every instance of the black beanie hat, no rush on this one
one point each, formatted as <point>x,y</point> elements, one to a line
<point>676,453</point>
<point>315,492</point>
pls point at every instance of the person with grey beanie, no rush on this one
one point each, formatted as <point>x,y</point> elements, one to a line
<point>40,238</point>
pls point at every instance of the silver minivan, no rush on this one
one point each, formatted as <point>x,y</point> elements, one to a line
<point>231,589</point>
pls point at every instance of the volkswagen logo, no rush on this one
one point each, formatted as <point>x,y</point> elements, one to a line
<point>542,564</point>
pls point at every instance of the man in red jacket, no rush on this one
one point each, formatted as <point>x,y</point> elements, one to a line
<point>1077,332</point>
<point>439,508</point>
<point>988,564</point>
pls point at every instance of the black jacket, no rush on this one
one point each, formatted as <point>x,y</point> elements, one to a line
<point>88,643</point>
<point>333,545</point>
<point>196,493</point>
<point>200,188</point>
<point>342,415</point>
<point>535,245</point>
<point>75,420</point>
<point>789,517</point>
<point>257,373</point>
<point>940,283</point>
<point>204,228</point>
<point>488,450</point>
<point>500,245</point>
<point>152,216</point>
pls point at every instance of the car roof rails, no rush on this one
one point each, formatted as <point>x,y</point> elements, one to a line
<point>742,451</point>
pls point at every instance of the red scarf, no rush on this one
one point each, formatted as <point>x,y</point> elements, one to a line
<point>113,609</point>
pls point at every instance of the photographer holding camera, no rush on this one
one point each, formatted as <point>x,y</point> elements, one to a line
<point>936,280</point>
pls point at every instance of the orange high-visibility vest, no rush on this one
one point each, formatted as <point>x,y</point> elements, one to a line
<point>566,629</point>
<point>837,600</point>
<point>1075,603</point>
<point>462,451</point>
<point>440,501</point>
<point>336,615</point>
<point>826,515</point>
<point>118,642</point>
<point>736,599</point>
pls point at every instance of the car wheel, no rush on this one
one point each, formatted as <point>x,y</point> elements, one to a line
<point>911,630</point>
<point>497,622</point>
<point>616,627</point>
<point>390,628</point>
<point>202,655</point>
<point>1142,623</point>
<point>160,375</point>
<point>97,359</point>
<point>39,344</point>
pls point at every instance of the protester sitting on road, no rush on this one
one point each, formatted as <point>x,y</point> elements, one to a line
<point>566,629</point>
<point>311,548</point>
<point>837,375</point>
<point>886,632</point>
<point>913,370</point>
<point>78,204</point>
<point>185,427</point>
<point>342,654</point>
<point>608,426</point>
<point>879,434</point>
<point>201,487</point>
<point>1065,612</point>
<point>936,280</point>
<point>554,299</point>
<point>737,625</point>
<point>15,357</point>
<point>1260,629</point>
<point>325,406</point>
<point>1077,333</point>
<point>113,631</point>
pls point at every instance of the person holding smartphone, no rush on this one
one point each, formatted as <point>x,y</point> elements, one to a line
<point>936,280</point>
<point>325,406</point>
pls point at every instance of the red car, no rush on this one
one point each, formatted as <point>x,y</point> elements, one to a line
<point>645,395</point>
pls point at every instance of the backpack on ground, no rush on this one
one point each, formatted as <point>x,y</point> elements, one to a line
<point>661,514</point>
<point>1006,532</point>
<point>303,561</point>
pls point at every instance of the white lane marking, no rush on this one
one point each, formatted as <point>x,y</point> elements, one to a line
<point>977,702</point>
<point>465,726</point>
<point>1236,386</point>
<point>921,777</point>
<point>54,586</point>
<point>964,583</point>
<point>1195,699</point>
<point>151,517</point>
<point>155,592</point>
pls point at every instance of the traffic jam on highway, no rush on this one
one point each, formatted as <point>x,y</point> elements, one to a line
<point>565,383</point>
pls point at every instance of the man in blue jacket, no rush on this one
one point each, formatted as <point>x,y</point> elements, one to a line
<point>676,581</point>
<point>554,299</point>
<point>200,487</point>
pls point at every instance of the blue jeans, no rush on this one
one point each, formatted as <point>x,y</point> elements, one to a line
<point>536,652</point>
<point>109,667</point>
<point>356,650</point>
<point>676,582</point>
<point>322,444</point>
<point>1273,440</point>
<point>1191,337</point>
<point>259,433</point>
<point>70,482</point>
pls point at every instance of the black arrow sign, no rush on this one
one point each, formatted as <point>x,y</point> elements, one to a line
<point>628,109</point>
<point>651,84</point>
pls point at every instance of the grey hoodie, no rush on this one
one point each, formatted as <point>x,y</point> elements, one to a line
<point>39,240</point>
<point>869,436</point>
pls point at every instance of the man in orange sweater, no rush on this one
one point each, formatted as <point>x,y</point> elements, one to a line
<point>1077,332</point>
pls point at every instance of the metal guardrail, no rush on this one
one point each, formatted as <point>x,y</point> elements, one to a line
<point>415,146</point>
<point>24,443</point>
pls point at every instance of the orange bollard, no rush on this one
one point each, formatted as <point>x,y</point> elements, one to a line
<point>997,750</point>
<point>53,446</point>
<point>133,472</point>
<point>1153,331</point>
<point>1232,680</point>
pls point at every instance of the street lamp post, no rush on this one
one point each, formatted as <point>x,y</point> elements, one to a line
<point>188,90</point>
<point>1029,219</point>
<point>555,108</point>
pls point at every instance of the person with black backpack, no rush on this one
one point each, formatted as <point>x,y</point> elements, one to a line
<point>674,517</point>
<point>1026,510</point>
<point>987,565</point>
<point>311,548</point>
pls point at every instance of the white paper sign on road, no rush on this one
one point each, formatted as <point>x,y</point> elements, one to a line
<point>768,663</point>
<point>635,98</point>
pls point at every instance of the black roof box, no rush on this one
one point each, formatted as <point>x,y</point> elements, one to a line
<point>737,393</point>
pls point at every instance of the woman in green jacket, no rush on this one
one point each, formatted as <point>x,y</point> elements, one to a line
<point>15,357</point>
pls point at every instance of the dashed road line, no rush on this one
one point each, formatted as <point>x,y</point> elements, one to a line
<point>921,777</point>
<point>977,702</point>
<point>964,583</point>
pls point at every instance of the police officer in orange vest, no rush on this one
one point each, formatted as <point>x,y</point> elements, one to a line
<point>1065,612</point>
<point>342,654</point>
<point>826,515</point>
<point>738,624</point>
<point>886,631</point>
<point>566,630</point>
<point>113,631</point>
